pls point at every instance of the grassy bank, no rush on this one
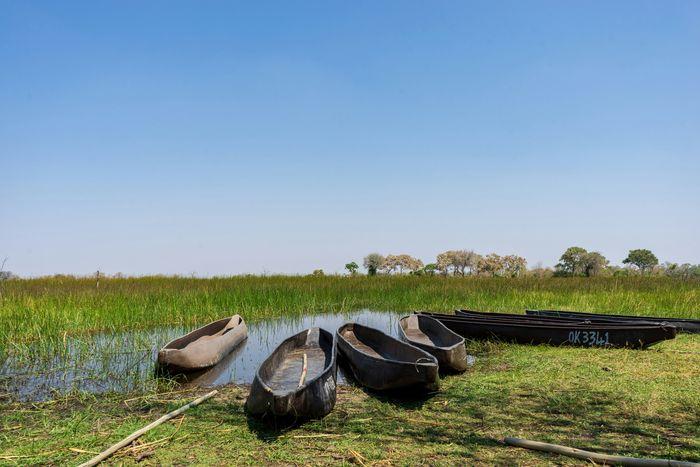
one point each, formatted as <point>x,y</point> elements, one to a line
<point>637,403</point>
<point>49,309</point>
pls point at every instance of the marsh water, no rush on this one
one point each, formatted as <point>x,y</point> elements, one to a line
<point>125,361</point>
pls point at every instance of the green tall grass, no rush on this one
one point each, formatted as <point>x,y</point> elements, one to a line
<point>48,309</point>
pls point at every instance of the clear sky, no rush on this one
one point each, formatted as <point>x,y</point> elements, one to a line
<point>236,137</point>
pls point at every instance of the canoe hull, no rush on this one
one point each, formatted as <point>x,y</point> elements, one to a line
<point>382,374</point>
<point>559,334</point>
<point>202,348</point>
<point>683,325</point>
<point>451,354</point>
<point>314,399</point>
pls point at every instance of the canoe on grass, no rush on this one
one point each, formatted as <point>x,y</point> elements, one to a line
<point>583,335</point>
<point>298,379</point>
<point>432,336</point>
<point>682,324</point>
<point>380,362</point>
<point>203,347</point>
<point>547,319</point>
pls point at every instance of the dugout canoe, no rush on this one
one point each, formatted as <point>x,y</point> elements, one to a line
<point>431,335</point>
<point>381,362</point>
<point>203,347</point>
<point>682,324</point>
<point>582,335</point>
<point>547,319</point>
<point>298,379</point>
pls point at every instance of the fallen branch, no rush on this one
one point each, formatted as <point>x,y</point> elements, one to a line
<point>594,456</point>
<point>129,439</point>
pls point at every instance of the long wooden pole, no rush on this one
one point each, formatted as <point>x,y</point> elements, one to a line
<point>596,457</point>
<point>129,439</point>
<point>303,371</point>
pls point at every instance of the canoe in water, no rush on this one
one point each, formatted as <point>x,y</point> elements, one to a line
<point>298,379</point>
<point>203,347</point>
<point>682,324</point>
<point>431,335</point>
<point>582,335</point>
<point>380,362</point>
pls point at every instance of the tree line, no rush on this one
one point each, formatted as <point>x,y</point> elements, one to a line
<point>575,261</point>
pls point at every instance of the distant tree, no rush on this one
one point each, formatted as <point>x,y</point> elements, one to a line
<point>430,269</point>
<point>643,259</point>
<point>352,268</point>
<point>391,264</point>
<point>594,263</point>
<point>460,262</point>
<point>444,263</point>
<point>401,263</point>
<point>491,265</point>
<point>6,275</point>
<point>682,271</point>
<point>572,262</point>
<point>409,263</point>
<point>373,262</point>
<point>318,272</point>
<point>514,266</point>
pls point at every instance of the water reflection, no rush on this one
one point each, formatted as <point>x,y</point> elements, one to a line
<point>126,361</point>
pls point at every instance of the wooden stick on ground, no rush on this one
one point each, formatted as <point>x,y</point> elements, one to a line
<point>303,372</point>
<point>129,439</point>
<point>594,456</point>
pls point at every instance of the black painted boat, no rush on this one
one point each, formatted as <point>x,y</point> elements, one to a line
<point>546,319</point>
<point>381,362</point>
<point>682,324</point>
<point>431,335</point>
<point>583,335</point>
<point>298,379</point>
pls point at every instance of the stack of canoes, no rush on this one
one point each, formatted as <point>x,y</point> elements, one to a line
<point>532,329</point>
<point>681,324</point>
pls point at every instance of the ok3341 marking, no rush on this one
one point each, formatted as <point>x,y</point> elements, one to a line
<point>589,338</point>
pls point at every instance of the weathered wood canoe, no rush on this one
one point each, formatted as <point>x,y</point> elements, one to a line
<point>380,362</point>
<point>203,347</point>
<point>435,338</point>
<point>682,324</point>
<point>584,335</point>
<point>298,379</point>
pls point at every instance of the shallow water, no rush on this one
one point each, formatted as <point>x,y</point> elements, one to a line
<point>126,361</point>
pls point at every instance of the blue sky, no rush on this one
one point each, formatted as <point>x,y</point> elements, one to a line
<point>226,137</point>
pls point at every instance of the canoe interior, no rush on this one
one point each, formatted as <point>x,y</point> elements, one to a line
<point>428,331</point>
<point>282,370</point>
<point>210,331</point>
<point>375,344</point>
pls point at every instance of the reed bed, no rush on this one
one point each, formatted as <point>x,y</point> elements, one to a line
<point>48,310</point>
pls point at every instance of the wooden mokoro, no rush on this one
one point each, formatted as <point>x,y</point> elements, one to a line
<point>584,335</point>
<point>381,362</point>
<point>203,347</point>
<point>682,324</point>
<point>435,338</point>
<point>548,319</point>
<point>280,390</point>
